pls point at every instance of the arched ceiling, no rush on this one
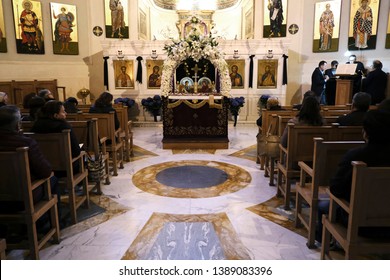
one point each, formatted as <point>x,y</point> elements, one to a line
<point>171,4</point>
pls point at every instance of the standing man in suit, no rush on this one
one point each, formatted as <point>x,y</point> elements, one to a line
<point>359,72</point>
<point>331,84</point>
<point>318,82</point>
<point>375,83</point>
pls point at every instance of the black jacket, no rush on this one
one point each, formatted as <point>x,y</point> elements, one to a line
<point>354,118</point>
<point>106,110</point>
<point>375,85</point>
<point>317,81</point>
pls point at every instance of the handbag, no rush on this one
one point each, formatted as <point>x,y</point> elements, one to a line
<point>96,168</point>
<point>268,144</point>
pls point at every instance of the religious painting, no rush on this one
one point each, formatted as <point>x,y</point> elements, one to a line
<point>249,24</point>
<point>236,72</point>
<point>275,18</point>
<point>116,14</point>
<point>124,73</point>
<point>363,24</point>
<point>153,72</point>
<point>64,29</point>
<point>267,73</point>
<point>327,26</point>
<point>3,39</point>
<point>388,32</point>
<point>142,25</point>
<point>28,26</point>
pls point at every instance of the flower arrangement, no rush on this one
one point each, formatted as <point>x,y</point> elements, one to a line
<point>125,101</point>
<point>235,104</point>
<point>152,105</point>
<point>195,46</point>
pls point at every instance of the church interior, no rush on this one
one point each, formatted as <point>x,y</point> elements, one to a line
<point>192,185</point>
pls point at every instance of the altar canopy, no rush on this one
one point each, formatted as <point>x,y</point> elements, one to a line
<point>195,86</point>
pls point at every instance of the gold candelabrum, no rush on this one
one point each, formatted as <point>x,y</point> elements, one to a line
<point>83,93</point>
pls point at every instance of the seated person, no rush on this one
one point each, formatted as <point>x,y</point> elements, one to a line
<point>70,105</point>
<point>376,152</point>
<point>272,105</point>
<point>308,115</point>
<point>385,105</point>
<point>360,103</point>
<point>104,105</point>
<point>46,94</point>
<point>27,98</point>
<point>52,119</point>
<point>35,104</point>
<point>3,99</point>
<point>10,139</point>
<point>307,93</point>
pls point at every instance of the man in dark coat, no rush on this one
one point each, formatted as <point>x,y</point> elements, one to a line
<point>375,83</point>
<point>360,103</point>
<point>359,72</point>
<point>318,81</point>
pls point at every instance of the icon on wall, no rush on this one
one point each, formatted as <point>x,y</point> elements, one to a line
<point>28,26</point>
<point>116,18</point>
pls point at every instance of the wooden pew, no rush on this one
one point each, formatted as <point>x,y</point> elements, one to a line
<point>122,112</point>
<point>16,187</point>
<point>326,157</point>
<point>87,134</point>
<point>57,150</point>
<point>106,128</point>
<point>369,207</point>
<point>300,147</point>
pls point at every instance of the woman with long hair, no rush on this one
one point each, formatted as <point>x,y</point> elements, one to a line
<point>104,105</point>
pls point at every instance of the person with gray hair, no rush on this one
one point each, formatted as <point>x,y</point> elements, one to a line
<point>375,83</point>
<point>360,104</point>
<point>11,138</point>
<point>46,94</point>
<point>3,99</point>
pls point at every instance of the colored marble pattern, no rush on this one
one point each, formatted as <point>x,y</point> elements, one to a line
<point>140,153</point>
<point>273,210</point>
<point>194,151</point>
<point>145,179</point>
<point>223,242</point>
<point>248,153</point>
<point>139,216</point>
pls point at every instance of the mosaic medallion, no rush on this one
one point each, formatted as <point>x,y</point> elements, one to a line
<point>191,179</point>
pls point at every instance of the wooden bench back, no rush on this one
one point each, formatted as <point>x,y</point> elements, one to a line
<point>326,158</point>
<point>266,116</point>
<point>56,149</point>
<point>347,133</point>
<point>370,194</point>
<point>105,121</point>
<point>300,145</point>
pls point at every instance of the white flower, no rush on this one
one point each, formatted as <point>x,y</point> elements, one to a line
<point>197,46</point>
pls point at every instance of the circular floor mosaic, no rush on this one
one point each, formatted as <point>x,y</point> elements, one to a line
<point>191,179</point>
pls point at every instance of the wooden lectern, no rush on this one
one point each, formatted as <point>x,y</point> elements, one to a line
<point>345,74</point>
<point>344,89</point>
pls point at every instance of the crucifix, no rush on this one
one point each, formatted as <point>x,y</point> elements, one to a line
<point>195,69</point>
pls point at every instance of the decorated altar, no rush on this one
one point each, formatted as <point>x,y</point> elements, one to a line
<point>195,86</point>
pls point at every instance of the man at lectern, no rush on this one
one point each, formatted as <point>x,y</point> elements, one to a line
<point>360,72</point>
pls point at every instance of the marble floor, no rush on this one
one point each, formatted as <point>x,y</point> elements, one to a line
<point>239,218</point>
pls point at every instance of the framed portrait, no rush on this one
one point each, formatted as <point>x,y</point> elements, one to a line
<point>327,26</point>
<point>363,24</point>
<point>28,26</point>
<point>267,73</point>
<point>3,38</point>
<point>116,14</point>
<point>387,45</point>
<point>142,25</point>
<point>153,72</point>
<point>64,29</point>
<point>124,73</point>
<point>236,72</point>
<point>275,18</point>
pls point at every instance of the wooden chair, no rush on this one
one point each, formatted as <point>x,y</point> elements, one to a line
<point>106,128</point>
<point>16,186</point>
<point>300,147</point>
<point>347,133</point>
<point>87,134</point>
<point>269,161</point>
<point>369,207</point>
<point>327,155</point>
<point>56,148</point>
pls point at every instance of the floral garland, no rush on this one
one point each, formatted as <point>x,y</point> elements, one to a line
<point>195,46</point>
